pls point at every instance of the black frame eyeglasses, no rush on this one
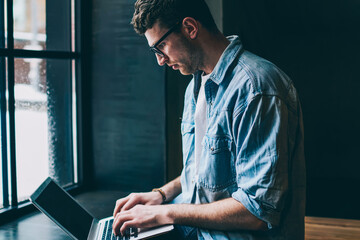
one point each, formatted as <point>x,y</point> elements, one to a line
<point>154,48</point>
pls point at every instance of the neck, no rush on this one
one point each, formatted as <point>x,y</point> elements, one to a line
<point>213,46</point>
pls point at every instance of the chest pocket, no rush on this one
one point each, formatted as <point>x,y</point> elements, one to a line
<point>217,169</point>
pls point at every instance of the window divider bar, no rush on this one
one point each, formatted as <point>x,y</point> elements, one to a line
<point>14,198</point>
<point>5,183</point>
<point>11,100</point>
<point>4,152</point>
<point>10,24</point>
<point>11,83</point>
<point>45,54</point>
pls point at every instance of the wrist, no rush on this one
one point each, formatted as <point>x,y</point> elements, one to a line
<point>161,192</point>
<point>168,213</point>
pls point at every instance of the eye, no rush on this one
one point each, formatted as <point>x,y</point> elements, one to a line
<point>161,45</point>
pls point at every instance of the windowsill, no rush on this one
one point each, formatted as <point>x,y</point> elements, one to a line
<point>331,228</point>
<point>99,203</point>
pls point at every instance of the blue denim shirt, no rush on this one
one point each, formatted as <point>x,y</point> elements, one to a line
<point>253,147</point>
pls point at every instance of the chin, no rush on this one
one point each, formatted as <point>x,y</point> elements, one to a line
<point>185,72</point>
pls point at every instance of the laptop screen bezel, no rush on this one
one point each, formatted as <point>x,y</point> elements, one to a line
<point>38,193</point>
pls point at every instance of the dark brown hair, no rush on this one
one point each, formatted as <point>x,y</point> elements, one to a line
<point>170,12</point>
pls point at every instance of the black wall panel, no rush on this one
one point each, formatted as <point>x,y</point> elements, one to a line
<point>317,43</point>
<point>128,110</point>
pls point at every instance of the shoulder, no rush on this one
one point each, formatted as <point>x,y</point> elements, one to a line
<point>264,76</point>
<point>254,76</point>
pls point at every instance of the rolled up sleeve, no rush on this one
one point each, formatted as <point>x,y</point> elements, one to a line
<point>261,132</point>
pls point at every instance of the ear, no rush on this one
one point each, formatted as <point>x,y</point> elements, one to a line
<point>191,27</point>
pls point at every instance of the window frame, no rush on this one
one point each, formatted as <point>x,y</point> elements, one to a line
<point>15,209</point>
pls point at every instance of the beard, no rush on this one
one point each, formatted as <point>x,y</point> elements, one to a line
<point>191,59</point>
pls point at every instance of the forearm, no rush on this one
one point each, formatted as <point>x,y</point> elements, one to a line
<point>227,214</point>
<point>172,189</point>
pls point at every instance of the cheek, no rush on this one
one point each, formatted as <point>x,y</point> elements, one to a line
<point>180,57</point>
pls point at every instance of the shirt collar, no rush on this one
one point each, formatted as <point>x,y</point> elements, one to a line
<point>233,50</point>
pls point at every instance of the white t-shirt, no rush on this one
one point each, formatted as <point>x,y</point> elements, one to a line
<point>200,119</point>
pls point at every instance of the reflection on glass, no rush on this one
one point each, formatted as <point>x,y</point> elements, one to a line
<point>31,124</point>
<point>43,123</point>
<point>44,25</point>
<point>59,89</point>
<point>74,133</point>
<point>73,25</point>
<point>29,24</point>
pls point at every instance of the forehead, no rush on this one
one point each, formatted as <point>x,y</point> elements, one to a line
<point>154,34</point>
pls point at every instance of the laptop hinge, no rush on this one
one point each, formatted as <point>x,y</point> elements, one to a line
<point>94,230</point>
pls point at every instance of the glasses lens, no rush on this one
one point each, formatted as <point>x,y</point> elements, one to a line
<point>156,51</point>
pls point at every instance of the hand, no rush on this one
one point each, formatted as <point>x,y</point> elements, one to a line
<point>126,203</point>
<point>141,216</point>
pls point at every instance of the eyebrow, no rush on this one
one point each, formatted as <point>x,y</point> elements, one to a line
<point>165,35</point>
<point>158,41</point>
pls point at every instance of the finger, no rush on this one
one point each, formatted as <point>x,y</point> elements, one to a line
<point>119,221</point>
<point>127,225</point>
<point>131,203</point>
<point>119,204</point>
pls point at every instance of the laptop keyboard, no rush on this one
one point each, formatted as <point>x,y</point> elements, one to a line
<point>109,235</point>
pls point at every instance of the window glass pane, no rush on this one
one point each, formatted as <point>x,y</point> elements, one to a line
<point>2,23</point>
<point>31,124</point>
<point>29,24</point>
<point>59,89</point>
<point>42,123</point>
<point>42,24</point>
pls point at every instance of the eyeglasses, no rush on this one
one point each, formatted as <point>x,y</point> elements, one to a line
<point>154,48</point>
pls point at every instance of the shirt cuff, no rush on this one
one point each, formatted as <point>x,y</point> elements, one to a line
<point>271,217</point>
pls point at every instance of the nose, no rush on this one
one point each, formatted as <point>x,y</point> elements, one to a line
<point>161,59</point>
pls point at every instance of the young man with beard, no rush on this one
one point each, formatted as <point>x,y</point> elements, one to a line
<point>243,171</point>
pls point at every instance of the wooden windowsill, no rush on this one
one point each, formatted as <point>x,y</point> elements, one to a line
<point>317,228</point>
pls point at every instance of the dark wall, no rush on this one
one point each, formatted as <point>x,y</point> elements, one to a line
<point>175,89</point>
<point>128,95</point>
<point>317,43</point>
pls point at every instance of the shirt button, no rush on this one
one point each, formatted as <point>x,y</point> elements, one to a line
<point>212,148</point>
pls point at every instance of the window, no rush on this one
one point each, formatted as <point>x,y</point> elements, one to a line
<point>38,69</point>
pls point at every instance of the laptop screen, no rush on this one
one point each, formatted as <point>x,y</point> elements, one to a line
<point>57,204</point>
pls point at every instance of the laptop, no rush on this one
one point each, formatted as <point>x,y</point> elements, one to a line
<point>76,221</point>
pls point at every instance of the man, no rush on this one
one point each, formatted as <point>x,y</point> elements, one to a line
<point>243,173</point>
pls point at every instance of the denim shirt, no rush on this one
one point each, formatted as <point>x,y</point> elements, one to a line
<point>253,147</point>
